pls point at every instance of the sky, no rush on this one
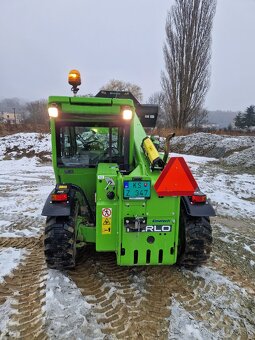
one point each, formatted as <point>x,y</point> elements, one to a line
<point>41,41</point>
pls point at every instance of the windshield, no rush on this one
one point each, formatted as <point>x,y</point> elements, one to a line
<point>83,146</point>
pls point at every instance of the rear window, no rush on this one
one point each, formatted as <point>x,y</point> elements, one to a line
<point>86,146</point>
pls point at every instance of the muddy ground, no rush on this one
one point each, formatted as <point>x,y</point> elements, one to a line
<point>215,301</point>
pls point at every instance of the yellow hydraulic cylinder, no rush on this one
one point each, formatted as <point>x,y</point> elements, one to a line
<point>152,154</point>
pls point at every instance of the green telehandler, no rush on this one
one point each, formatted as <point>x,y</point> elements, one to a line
<point>114,190</point>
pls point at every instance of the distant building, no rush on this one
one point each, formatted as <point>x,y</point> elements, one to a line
<point>210,126</point>
<point>207,126</point>
<point>10,118</point>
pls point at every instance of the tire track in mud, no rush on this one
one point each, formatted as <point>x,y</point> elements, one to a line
<point>109,289</point>
<point>136,302</point>
<point>24,227</point>
<point>145,298</point>
<point>20,242</point>
<point>139,302</point>
<point>25,286</point>
<point>124,306</point>
<point>230,257</point>
<point>220,307</point>
<point>219,297</point>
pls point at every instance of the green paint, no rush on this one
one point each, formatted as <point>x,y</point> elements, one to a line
<point>74,156</point>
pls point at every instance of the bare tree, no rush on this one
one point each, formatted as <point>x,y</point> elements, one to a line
<point>37,112</point>
<point>118,85</point>
<point>200,119</point>
<point>158,98</point>
<point>187,54</point>
<point>8,104</point>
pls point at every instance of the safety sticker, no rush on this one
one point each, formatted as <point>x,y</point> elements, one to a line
<point>106,225</point>
<point>107,212</point>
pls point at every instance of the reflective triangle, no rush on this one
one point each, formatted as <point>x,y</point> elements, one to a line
<point>176,179</point>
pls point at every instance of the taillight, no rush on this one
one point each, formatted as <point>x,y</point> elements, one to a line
<point>198,197</point>
<point>59,197</point>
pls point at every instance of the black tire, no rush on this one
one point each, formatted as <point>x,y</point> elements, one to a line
<point>60,242</point>
<point>195,240</point>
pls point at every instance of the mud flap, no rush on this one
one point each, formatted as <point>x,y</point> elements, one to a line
<point>56,209</point>
<point>197,210</point>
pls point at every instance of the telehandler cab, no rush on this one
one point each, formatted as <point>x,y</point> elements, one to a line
<point>115,190</point>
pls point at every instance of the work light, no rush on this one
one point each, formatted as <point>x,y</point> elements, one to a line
<point>53,111</point>
<point>127,113</point>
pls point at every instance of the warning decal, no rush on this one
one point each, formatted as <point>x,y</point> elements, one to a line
<point>107,212</point>
<point>106,225</point>
<point>107,221</point>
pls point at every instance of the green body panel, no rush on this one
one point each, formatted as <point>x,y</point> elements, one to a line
<point>87,234</point>
<point>90,110</point>
<point>107,228</point>
<point>85,178</point>
<point>164,210</point>
<point>110,232</point>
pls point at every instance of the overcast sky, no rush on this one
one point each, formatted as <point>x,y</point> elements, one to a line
<point>42,40</point>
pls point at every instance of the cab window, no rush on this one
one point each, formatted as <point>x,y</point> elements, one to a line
<point>86,146</point>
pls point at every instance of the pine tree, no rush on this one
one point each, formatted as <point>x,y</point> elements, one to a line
<point>249,116</point>
<point>239,121</point>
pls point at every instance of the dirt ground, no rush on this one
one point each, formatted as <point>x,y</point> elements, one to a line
<point>145,302</point>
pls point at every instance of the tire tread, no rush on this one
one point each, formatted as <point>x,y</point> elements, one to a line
<point>196,240</point>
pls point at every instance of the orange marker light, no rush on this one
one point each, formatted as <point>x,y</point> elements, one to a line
<point>74,78</point>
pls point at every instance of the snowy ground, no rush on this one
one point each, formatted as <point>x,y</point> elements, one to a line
<point>24,186</point>
<point>231,150</point>
<point>9,260</point>
<point>232,194</point>
<point>24,144</point>
<point>100,300</point>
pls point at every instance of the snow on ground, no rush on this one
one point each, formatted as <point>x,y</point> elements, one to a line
<point>248,248</point>
<point>9,260</point>
<point>245,158</point>
<point>194,159</point>
<point>30,184</point>
<point>21,144</point>
<point>183,326</point>
<point>224,298</point>
<point>211,276</point>
<point>24,187</point>
<point>62,299</point>
<point>231,194</point>
<point>217,145</point>
<point>232,150</point>
<point>5,313</point>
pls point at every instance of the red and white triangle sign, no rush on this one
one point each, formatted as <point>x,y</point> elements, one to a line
<point>176,179</point>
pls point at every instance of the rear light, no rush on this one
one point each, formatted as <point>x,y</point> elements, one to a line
<point>59,197</point>
<point>198,197</point>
